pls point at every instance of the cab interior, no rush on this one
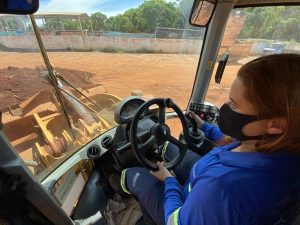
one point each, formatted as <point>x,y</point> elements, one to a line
<point>136,138</point>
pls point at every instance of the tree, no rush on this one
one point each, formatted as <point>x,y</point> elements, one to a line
<point>119,23</point>
<point>98,21</point>
<point>14,23</point>
<point>53,24</point>
<point>276,23</point>
<point>145,18</point>
<point>61,24</point>
<point>133,17</point>
<point>70,24</point>
<point>148,16</point>
<point>159,13</point>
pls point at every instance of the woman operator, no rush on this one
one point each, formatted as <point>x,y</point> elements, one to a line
<point>250,181</point>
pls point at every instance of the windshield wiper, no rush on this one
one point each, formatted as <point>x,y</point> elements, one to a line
<point>52,76</point>
<point>76,89</point>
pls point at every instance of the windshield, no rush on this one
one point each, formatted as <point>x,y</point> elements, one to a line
<point>107,51</point>
<point>251,33</point>
<point>127,47</point>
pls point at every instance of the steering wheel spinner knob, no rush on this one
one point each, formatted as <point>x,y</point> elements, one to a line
<point>161,132</point>
<point>169,102</point>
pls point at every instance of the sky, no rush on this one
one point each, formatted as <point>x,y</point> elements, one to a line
<point>107,7</point>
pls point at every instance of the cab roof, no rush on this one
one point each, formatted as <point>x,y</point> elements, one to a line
<point>248,3</point>
<point>265,2</point>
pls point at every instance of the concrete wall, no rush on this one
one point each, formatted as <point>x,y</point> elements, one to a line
<point>241,48</point>
<point>19,42</point>
<point>94,43</point>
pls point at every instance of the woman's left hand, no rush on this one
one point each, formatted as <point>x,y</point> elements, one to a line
<point>162,173</point>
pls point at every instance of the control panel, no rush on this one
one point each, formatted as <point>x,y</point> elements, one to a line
<point>206,112</point>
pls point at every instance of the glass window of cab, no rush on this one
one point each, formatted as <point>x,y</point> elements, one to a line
<point>251,33</point>
<point>107,52</point>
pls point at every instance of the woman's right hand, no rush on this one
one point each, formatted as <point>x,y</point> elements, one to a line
<point>162,173</point>
<point>224,140</point>
<point>197,119</point>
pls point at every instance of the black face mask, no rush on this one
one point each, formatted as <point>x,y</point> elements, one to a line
<point>232,123</point>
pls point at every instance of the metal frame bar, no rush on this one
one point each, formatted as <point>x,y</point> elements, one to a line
<point>52,75</point>
<point>12,164</point>
<point>34,192</point>
<point>289,3</point>
<point>210,50</point>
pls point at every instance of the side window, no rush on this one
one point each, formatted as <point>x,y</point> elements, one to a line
<point>251,33</point>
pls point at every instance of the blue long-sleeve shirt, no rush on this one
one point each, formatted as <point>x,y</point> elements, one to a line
<point>233,188</point>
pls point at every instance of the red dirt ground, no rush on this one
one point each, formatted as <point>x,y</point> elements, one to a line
<point>157,75</point>
<point>17,84</point>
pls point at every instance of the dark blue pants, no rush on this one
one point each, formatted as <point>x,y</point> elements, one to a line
<point>149,191</point>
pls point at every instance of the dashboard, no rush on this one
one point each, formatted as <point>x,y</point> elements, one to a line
<point>68,182</point>
<point>127,108</point>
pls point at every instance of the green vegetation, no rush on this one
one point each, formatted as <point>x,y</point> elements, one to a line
<point>144,19</point>
<point>273,23</point>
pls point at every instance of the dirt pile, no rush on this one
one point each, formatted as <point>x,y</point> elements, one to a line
<point>18,84</point>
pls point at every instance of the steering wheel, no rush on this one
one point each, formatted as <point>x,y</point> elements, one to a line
<point>159,133</point>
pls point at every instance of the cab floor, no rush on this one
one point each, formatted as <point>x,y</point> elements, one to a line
<point>93,201</point>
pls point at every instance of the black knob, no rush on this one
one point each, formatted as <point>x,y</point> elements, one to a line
<point>94,152</point>
<point>169,102</point>
<point>107,142</point>
<point>192,121</point>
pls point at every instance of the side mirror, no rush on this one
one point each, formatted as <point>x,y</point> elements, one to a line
<point>221,68</point>
<point>22,7</point>
<point>202,12</point>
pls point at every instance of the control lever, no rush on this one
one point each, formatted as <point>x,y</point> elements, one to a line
<point>196,135</point>
<point>192,122</point>
<point>197,141</point>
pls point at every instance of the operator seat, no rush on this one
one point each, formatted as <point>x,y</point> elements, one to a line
<point>296,210</point>
<point>297,219</point>
<point>290,215</point>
